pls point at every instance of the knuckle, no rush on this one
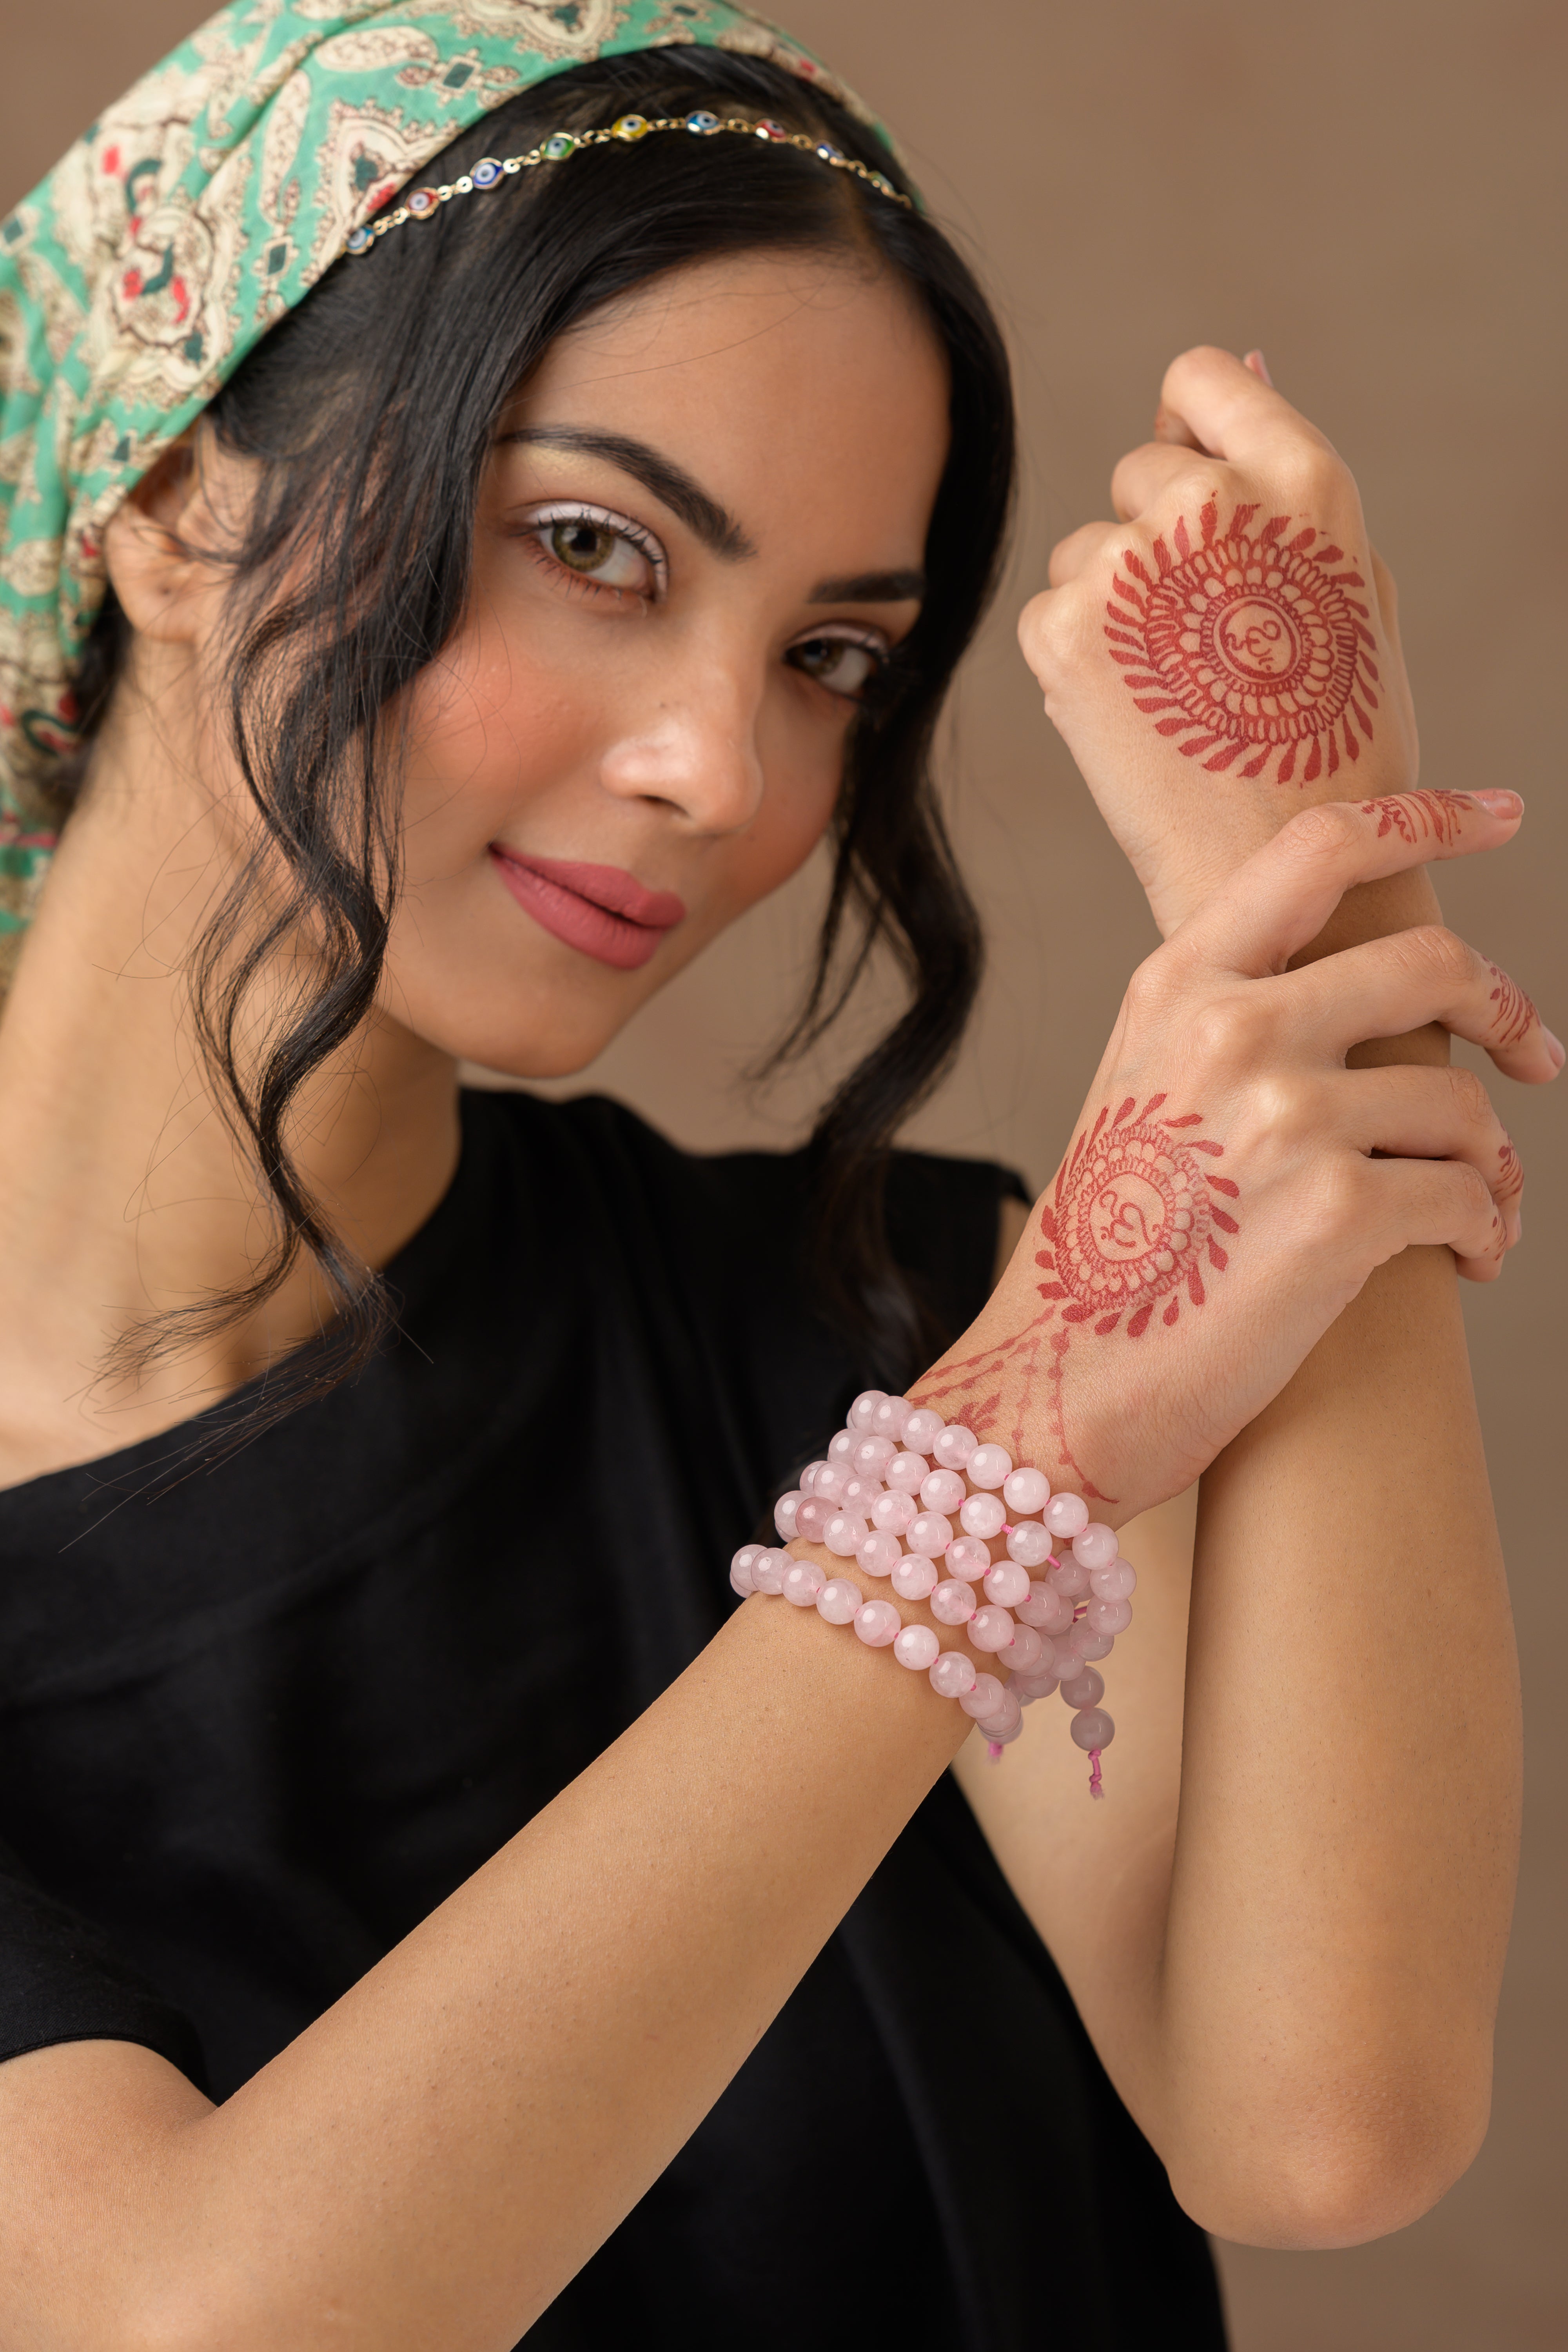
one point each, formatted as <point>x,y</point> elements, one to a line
<point>1440,953</point>
<point>1229,1030</point>
<point>1341,1206</point>
<point>1327,833</point>
<point>1471,1100</point>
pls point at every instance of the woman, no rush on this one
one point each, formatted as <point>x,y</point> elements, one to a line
<point>487,610</point>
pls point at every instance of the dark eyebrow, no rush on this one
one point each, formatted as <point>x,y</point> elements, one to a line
<point>870,588</point>
<point>670,483</point>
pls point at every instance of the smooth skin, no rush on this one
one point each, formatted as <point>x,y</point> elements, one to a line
<point>1295,1997</point>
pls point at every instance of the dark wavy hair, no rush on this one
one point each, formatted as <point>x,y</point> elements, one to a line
<point>371,410</point>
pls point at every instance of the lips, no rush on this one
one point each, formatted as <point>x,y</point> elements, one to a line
<point>601,910</point>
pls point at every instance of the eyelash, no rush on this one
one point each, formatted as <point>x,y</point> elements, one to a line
<point>619,526</point>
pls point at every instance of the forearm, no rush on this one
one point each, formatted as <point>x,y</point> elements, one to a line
<point>432,2161</point>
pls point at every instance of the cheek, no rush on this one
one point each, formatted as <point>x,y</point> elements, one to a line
<point>489,730</point>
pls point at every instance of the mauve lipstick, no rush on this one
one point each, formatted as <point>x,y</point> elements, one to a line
<point>600,909</point>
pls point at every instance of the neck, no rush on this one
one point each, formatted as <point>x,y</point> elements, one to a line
<point>123,1191</point>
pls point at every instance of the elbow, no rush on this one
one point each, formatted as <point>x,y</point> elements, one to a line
<point>1339,2173</point>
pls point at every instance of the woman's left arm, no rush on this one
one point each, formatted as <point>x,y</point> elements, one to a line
<point>1286,1931</point>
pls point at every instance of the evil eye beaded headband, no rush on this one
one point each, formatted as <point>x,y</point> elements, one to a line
<point>490,170</point>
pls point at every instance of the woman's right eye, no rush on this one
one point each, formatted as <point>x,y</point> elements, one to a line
<point>599,549</point>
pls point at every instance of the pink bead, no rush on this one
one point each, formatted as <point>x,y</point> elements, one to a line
<point>1084,1688</point>
<point>888,1417</point>
<point>914,1578</point>
<point>879,1554</point>
<point>990,1629</point>
<point>1008,1584</point>
<point>922,1429</point>
<point>803,1580</point>
<point>1030,1544</point>
<point>839,1601</point>
<point>931,1534</point>
<point>968,1558</point>
<point>1069,1577</point>
<point>741,1566</point>
<point>1027,1688</point>
<point>784,1510</point>
<point>1093,1728</point>
<point>983,1515</point>
<point>893,1511</point>
<point>858,1496</point>
<point>1108,1616</point>
<point>844,1533</point>
<point>768,1569</point>
<point>982,1697</point>
<point>1085,1644</point>
<point>1025,1651</point>
<point>917,1648</point>
<point>877,1622</point>
<point>988,1465</point>
<point>953,1674</point>
<point>1117,1582</point>
<point>831,1481</point>
<point>953,1603</point>
<point>1025,1492</point>
<point>812,1517</point>
<point>905,1473</point>
<point>840,1448</point>
<point>1066,1514</point>
<point>1047,1610</point>
<point>954,1446</point>
<point>942,1491</point>
<point>808,1476</point>
<point>864,1407</point>
<point>1003,1719</point>
<point>871,1457</point>
<point>1095,1545</point>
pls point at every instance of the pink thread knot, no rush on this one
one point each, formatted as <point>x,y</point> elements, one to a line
<point>994,1753</point>
<point>1094,1787</point>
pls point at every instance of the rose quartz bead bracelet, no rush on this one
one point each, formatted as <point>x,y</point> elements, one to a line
<point>920,1501</point>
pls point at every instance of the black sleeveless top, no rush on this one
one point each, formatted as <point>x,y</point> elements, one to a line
<point>255,1725</point>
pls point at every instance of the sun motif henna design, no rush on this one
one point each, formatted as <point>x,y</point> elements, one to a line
<point>1132,1229</point>
<point>1418,817</point>
<point>1514,1009</point>
<point>1249,644</point>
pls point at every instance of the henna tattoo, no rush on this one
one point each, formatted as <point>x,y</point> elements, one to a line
<point>1130,1229</point>
<point>1515,1012</point>
<point>1248,642</point>
<point>1418,817</point>
<point>1510,1174</point>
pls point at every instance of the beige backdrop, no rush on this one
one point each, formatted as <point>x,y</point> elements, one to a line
<point>1367,189</point>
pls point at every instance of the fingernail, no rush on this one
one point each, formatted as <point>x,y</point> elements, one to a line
<point>1554,1046</point>
<point>1500,803</point>
<point>1259,366</point>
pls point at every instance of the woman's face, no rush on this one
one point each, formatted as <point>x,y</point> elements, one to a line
<point>700,532</point>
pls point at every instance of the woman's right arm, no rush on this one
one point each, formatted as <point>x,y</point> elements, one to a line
<point>431,2161</point>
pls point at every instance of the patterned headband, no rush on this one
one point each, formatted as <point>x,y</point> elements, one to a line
<point>489,171</point>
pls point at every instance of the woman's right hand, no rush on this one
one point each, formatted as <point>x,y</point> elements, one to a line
<point>1232,1184</point>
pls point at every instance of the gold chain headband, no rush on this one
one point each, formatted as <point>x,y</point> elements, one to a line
<point>489,171</point>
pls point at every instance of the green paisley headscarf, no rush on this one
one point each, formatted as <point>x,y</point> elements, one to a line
<point>190,218</point>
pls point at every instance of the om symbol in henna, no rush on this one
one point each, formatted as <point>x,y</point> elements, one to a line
<point>1248,646</point>
<point>1131,1231</point>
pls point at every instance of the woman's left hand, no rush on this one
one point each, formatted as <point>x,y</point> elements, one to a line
<point>1228,652</point>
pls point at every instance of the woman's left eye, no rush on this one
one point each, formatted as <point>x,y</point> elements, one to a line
<point>845,665</point>
<point>602,550</point>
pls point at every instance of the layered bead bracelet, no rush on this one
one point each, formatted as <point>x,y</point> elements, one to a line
<point>886,1496</point>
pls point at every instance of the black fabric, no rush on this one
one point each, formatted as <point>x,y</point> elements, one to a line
<point>256,1724</point>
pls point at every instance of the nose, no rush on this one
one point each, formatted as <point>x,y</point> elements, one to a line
<point>689,743</point>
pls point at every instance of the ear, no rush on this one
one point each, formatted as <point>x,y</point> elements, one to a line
<point>156,544</point>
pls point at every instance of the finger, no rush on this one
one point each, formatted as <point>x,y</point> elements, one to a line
<point>1411,1113</point>
<point>1386,987</point>
<point>1145,475</point>
<point>1433,1205</point>
<point>1079,549</point>
<point>1284,894</point>
<point>1214,402</point>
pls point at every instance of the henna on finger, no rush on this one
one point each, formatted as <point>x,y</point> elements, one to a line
<point>1248,646</point>
<point>1418,816</point>
<point>1515,1013</point>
